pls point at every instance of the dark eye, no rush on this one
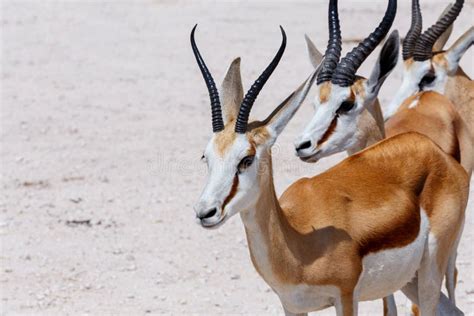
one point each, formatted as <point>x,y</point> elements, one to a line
<point>245,163</point>
<point>427,79</point>
<point>345,107</point>
<point>203,158</point>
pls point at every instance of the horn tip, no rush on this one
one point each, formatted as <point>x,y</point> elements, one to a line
<point>282,31</point>
<point>193,30</point>
<point>283,34</point>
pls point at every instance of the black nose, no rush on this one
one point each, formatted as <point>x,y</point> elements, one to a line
<point>303,145</point>
<point>208,214</point>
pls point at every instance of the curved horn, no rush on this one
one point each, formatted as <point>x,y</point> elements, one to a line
<point>217,122</point>
<point>249,99</point>
<point>345,73</point>
<point>424,45</point>
<point>333,50</point>
<point>414,32</point>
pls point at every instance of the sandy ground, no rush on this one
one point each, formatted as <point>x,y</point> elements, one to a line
<point>104,119</point>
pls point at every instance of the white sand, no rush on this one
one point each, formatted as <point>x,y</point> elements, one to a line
<point>104,119</point>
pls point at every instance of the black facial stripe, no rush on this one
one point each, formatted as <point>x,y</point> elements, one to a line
<point>232,193</point>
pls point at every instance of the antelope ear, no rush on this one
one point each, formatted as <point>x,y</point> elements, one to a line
<point>279,118</point>
<point>386,62</point>
<point>441,41</point>
<point>457,50</point>
<point>232,92</point>
<point>315,56</point>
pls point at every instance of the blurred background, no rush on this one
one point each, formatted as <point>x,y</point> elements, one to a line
<point>104,117</point>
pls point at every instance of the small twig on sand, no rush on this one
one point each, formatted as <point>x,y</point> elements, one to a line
<point>76,222</point>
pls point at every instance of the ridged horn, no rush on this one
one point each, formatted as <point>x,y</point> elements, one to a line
<point>334,47</point>
<point>251,95</point>
<point>424,45</point>
<point>217,122</point>
<point>345,73</point>
<point>414,32</point>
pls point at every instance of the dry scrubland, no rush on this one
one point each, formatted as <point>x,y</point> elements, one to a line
<point>104,119</point>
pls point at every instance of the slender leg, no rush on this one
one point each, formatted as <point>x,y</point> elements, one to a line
<point>389,306</point>
<point>451,272</point>
<point>346,305</point>
<point>430,279</point>
<point>355,307</point>
<point>445,307</point>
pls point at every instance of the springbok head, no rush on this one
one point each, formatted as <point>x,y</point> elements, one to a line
<point>426,65</point>
<point>238,154</point>
<point>341,95</point>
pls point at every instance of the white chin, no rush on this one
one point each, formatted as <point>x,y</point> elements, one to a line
<point>213,223</point>
<point>311,159</point>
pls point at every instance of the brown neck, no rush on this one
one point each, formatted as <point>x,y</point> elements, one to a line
<point>371,128</point>
<point>267,229</point>
<point>460,90</point>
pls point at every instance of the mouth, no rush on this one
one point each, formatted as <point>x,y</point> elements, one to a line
<point>211,223</point>
<point>312,158</point>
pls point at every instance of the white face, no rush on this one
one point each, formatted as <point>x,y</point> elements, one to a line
<point>232,183</point>
<point>418,76</point>
<point>431,74</point>
<point>333,127</point>
<point>237,162</point>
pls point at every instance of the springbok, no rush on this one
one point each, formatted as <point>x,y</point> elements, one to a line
<point>366,118</point>
<point>348,116</point>
<point>347,103</point>
<point>354,122</point>
<point>428,68</point>
<point>373,224</point>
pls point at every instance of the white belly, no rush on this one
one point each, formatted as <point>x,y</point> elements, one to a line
<point>387,271</point>
<point>303,298</point>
